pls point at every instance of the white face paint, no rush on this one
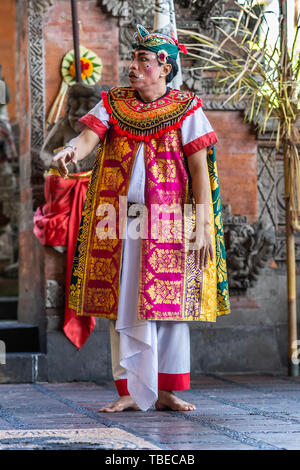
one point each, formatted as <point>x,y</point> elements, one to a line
<point>141,65</point>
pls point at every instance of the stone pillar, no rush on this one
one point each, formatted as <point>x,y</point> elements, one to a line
<point>31,307</point>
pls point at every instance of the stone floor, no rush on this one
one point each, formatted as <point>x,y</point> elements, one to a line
<point>233,412</point>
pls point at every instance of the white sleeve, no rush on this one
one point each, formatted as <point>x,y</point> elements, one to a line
<point>197,132</point>
<point>100,113</point>
<point>96,119</point>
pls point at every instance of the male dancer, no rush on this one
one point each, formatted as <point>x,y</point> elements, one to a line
<point>157,148</point>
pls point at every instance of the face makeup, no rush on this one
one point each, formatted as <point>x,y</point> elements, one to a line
<point>135,76</point>
<point>142,67</point>
<point>148,67</point>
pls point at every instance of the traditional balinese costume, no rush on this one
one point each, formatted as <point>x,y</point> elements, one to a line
<point>149,287</point>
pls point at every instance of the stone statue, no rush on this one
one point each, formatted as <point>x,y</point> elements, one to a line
<point>7,146</point>
<point>9,197</point>
<point>81,98</point>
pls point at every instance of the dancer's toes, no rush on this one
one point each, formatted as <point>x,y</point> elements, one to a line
<point>167,400</point>
<point>122,404</point>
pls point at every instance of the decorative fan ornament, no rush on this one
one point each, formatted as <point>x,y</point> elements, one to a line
<point>91,68</point>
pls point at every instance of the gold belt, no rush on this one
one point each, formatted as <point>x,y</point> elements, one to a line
<point>74,176</point>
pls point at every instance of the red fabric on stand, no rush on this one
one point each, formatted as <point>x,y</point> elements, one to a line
<point>56,223</point>
<point>77,329</point>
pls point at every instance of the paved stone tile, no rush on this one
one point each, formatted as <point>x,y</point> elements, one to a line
<point>203,380</point>
<point>214,442</point>
<point>258,423</point>
<point>112,438</point>
<point>174,438</point>
<point>178,429</point>
<point>260,379</point>
<point>264,384</point>
<point>5,425</point>
<point>233,412</point>
<point>216,446</point>
<point>284,440</point>
<point>135,421</point>
<point>73,425</point>
<point>218,409</point>
<point>43,423</point>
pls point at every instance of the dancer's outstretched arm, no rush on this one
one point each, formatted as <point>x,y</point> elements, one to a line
<point>77,149</point>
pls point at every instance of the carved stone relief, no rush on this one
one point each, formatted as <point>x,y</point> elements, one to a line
<point>190,14</point>
<point>41,6</point>
<point>55,294</point>
<point>271,202</point>
<point>116,8</point>
<point>280,254</point>
<point>280,250</point>
<point>198,15</point>
<point>266,185</point>
<point>248,249</point>
<point>36,10</point>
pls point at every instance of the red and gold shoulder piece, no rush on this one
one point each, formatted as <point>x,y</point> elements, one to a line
<point>128,94</point>
<point>143,121</point>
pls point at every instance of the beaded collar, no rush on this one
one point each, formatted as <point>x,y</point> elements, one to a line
<point>142,121</point>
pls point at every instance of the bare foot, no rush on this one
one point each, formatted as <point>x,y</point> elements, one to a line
<point>167,400</point>
<point>123,403</point>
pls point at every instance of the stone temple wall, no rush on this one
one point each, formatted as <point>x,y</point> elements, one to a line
<point>254,336</point>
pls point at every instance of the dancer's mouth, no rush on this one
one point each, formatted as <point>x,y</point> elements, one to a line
<point>133,76</point>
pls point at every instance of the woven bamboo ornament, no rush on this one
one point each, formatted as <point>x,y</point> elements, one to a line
<point>91,68</point>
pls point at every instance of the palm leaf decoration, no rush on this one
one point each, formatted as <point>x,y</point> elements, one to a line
<point>266,77</point>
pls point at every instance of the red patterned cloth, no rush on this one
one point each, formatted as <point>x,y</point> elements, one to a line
<point>56,223</point>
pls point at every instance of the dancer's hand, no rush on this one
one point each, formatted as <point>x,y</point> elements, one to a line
<point>63,158</point>
<point>202,249</point>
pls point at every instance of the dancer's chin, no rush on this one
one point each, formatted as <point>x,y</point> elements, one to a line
<point>136,84</point>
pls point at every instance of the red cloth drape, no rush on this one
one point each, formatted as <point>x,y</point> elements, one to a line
<point>56,223</point>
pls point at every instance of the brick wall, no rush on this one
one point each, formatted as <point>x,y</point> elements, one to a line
<point>8,58</point>
<point>98,33</point>
<point>236,161</point>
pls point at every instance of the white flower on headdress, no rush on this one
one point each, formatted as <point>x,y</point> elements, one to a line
<point>162,56</point>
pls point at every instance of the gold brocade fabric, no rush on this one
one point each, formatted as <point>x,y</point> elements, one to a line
<point>75,176</point>
<point>171,286</point>
<point>95,279</point>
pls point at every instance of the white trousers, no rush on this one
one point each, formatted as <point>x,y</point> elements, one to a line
<point>147,355</point>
